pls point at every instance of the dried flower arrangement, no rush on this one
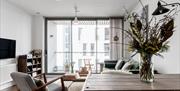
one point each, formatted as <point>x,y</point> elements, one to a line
<point>150,38</point>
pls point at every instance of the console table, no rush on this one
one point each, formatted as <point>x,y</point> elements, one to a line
<point>113,82</point>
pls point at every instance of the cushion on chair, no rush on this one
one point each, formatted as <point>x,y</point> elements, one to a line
<point>23,81</point>
<point>119,64</point>
<point>40,83</point>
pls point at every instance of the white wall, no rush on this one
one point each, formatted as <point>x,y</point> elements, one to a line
<point>38,35</point>
<point>37,32</point>
<point>14,24</point>
<point>170,64</point>
<point>171,61</point>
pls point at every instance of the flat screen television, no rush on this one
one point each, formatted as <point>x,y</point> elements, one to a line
<point>7,48</point>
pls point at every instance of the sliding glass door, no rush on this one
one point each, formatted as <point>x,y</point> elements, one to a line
<point>84,44</point>
<point>70,46</point>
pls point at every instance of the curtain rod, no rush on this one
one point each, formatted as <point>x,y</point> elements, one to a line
<point>83,18</point>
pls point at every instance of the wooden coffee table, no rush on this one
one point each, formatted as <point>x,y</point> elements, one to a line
<point>112,82</point>
<point>74,77</point>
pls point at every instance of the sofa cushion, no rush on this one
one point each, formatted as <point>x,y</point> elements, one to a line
<point>135,65</point>
<point>127,66</point>
<point>119,64</point>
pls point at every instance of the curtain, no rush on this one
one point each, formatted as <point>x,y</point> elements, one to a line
<point>116,51</point>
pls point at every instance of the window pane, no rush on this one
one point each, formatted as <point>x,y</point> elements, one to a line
<point>83,38</point>
<point>103,47</point>
<point>92,49</point>
<point>63,36</point>
<point>84,49</point>
<point>71,46</point>
<point>80,61</point>
<point>106,49</point>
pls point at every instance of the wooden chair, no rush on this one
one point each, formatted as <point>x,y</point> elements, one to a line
<point>26,83</point>
<point>83,71</point>
<point>87,64</point>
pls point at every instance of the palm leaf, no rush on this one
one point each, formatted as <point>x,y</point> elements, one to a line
<point>158,54</point>
<point>164,48</point>
<point>139,25</point>
<point>167,30</point>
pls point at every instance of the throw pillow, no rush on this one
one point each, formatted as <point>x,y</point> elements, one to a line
<point>127,66</point>
<point>40,83</point>
<point>119,64</point>
<point>135,65</point>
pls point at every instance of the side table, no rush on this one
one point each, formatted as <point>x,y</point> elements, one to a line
<point>69,77</point>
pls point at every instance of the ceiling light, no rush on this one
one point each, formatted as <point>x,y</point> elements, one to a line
<point>160,10</point>
<point>75,21</point>
<point>58,0</point>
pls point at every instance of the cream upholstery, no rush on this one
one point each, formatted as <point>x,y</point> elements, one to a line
<point>23,81</point>
<point>26,83</point>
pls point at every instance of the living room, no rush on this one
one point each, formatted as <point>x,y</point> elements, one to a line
<point>93,31</point>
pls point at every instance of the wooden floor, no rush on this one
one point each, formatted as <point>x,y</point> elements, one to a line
<point>74,87</point>
<point>13,88</point>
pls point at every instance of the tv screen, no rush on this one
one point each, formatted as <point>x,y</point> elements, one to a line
<point>7,48</point>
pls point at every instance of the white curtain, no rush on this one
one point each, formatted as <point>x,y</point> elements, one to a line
<point>116,46</point>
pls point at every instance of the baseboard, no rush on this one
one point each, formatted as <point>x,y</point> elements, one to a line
<point>6,85</point>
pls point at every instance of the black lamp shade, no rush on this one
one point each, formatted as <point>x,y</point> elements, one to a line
<point>160,10</point>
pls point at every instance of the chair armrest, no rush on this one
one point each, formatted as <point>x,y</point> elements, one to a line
<point>39,75</point>
<point>46,84</point>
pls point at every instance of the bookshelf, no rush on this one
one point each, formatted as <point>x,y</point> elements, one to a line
<point>30,65</point>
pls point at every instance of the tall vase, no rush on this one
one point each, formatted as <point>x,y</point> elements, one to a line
<point>146,68</point>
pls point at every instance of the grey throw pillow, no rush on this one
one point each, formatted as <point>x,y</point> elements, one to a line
<point>40,83</point>
<point>135,65</point>
<point>119,64</point>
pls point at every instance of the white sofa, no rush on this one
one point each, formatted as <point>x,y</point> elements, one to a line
<point>118,67</point>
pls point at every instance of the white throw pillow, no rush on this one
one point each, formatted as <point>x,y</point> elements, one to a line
<point>119,64</point>
<point>127,66</point>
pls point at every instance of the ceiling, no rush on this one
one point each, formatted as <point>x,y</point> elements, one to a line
<point>86,8</point>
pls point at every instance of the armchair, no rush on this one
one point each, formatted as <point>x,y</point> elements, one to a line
<point>26,83</point>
